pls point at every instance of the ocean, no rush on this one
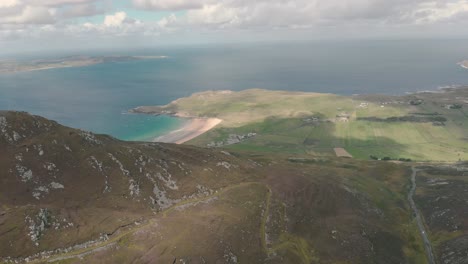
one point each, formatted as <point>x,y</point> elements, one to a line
<point>96,98</point>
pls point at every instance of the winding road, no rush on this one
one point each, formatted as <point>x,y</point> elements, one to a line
<point>422,231</point>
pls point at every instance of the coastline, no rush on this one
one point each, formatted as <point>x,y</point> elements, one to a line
<point>73,62</point>
<point>463,64</point>
<point>194,128</point>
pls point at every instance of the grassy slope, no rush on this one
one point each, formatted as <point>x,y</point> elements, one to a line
<point>265,220</point>
<point>262,208</point>
<point>278,119</point>
<point>441,197</point>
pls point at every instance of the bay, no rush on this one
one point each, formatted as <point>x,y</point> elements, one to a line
<point>97,97</point>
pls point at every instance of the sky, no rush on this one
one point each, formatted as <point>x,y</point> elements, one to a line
<point>30,25</point>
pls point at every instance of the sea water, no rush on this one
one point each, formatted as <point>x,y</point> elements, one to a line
<point>97,97</point>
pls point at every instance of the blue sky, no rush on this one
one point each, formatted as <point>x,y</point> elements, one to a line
<point>62,24</point>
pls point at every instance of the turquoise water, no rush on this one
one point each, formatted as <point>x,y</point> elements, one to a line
<point>96,98</point>
<point>145,128</point>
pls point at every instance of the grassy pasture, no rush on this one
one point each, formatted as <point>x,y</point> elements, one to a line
<point>278,119</point>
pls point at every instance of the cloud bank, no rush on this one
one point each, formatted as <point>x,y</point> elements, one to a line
<point>26,19</point>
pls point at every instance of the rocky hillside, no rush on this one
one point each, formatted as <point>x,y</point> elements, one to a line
<point>61,186</point>
<point>68,195</point>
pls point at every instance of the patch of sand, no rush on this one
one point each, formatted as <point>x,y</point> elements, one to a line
<point>194,128</point>
<point>341,152</point>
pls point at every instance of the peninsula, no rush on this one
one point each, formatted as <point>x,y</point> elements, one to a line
<point>12,66</point>
<point>424,126</point>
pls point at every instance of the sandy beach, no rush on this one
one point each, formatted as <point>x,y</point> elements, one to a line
<point>194,128</point>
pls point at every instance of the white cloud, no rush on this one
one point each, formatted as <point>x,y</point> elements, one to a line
<point>57,2</point>
<point>276,13</point>
<point>217,15</point>
<point>80,10</point>
<point>270,14</point>
<point>431,12</point>
<point>116,25</point>
<point>169,4</point>
<point>31,15</point>
<point>30,18</point>
<point>247,14</point>
<point>44,11</point>
<point>115,20</point>
<point>8,3</point>
<point>168,22</point>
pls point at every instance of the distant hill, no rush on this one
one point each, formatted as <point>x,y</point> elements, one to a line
<point>67,62</point>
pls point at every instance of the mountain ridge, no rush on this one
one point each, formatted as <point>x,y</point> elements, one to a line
<point>95,199</point>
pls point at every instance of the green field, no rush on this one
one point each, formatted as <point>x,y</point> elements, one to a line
<point>282,123</point>
<point>278,119</point>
